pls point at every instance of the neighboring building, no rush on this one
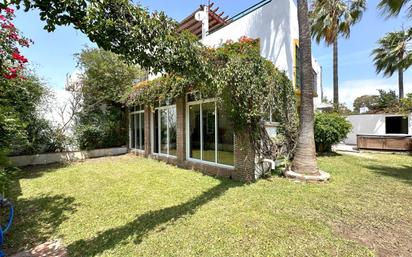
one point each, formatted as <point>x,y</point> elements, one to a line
<point>194,134</point>
<point>378,125</point>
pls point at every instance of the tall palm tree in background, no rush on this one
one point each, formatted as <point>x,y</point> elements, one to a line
<point>394,7</point>
<point>394,54</point>
<point>331,18</point>
<point>305,157</point>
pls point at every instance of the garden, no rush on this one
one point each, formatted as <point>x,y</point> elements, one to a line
<point>129,206</point>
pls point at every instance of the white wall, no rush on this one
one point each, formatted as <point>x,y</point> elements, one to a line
<point>48,158</point>
<point>372,124</point>
<point>276,25</point>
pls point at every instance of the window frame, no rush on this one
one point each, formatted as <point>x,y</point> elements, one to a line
<point>159,109</point>
<point>136,113</point>
<point>187,124</point>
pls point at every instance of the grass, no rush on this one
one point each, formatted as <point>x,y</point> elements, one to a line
<point>128,206</point>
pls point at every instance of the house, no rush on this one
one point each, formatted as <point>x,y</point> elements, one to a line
<point>391,132</point>
<point>194,134</point>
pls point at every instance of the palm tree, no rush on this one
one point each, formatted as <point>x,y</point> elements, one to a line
<point>304,162</point>
<point>394,7</point>
<point>330,19</point>
<point>394,54</point>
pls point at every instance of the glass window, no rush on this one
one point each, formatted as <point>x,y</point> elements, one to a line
<point>164,129</point>
<point>142,137</point>
<point>209,133</point>
<point>225,141</point>
<point>172,131</point>
<point>132,132</point>
<point>194,131</point>
<point>156,131</point>
<point>137,130</point>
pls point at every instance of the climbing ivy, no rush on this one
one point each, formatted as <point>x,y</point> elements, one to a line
<point>246,86</point>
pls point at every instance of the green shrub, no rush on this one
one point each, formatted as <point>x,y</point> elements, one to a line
<point>101,129</point>
<point>330,129</point>
<point>6,172</point>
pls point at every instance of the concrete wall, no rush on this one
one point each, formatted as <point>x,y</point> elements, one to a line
<point>41,159</point>
<point>276,25</point>
<point>372,124</point>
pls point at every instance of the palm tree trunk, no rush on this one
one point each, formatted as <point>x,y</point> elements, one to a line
<point>400,79</point>
<point>335,74</point>
<point>305,156</point>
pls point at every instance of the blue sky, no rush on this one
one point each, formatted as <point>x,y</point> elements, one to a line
<point>52,53</point>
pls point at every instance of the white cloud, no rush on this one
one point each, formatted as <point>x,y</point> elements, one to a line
<point>349,90</point>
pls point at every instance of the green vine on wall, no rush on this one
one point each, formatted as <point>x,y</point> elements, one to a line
<point>246,86</point>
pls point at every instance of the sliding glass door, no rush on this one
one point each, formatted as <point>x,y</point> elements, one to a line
<point>209,134</point>
<point>136,128</point>
<point>164,130</point>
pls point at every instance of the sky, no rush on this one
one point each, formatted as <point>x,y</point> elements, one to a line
<point>52,54</point>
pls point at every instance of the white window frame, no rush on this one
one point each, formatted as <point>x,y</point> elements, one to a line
<point>201,102</point>
<point>159,109</point>
<point>140,112</point>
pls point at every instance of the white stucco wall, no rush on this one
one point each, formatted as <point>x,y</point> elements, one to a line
<point>276,25</point>
<point>371,124</point>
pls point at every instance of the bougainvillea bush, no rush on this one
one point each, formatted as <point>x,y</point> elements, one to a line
<point>11,60</point>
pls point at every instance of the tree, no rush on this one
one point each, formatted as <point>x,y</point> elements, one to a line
<point>365,101</point>
<point>304,162</point>
<point>11,61</point>
<point>393,54</point>
<point>105,78</point>
<point>22,98</point>
<point>394,7</point>
<point>329,20</point>
<point>122,27</point>
<point>387,101</point>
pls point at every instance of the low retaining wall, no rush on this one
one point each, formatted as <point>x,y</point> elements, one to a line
<point>48,158</point>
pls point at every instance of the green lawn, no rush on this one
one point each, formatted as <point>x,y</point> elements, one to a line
<point>128,206</point>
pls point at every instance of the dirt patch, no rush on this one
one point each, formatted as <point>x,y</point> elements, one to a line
<point>48,249</point>
<point>384,239</point>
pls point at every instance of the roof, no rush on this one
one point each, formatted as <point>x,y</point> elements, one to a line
<point>216,20</point>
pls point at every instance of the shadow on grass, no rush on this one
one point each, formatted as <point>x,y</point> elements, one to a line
<point>402,173</point>
<point>30,172</point>
<point>142,225</point>
<point>328,154</point>
<point>37,219</point>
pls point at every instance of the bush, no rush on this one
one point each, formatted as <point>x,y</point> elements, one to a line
<point>6,172</point>
<point>330,129</point>
<point>101,129</point>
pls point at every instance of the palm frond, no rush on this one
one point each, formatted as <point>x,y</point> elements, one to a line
<point>392,52</point>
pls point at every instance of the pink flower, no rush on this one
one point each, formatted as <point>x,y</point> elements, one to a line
<point>2,18</point>
<point>14,36</point>
<point>7,26</point>
<point>12,70</point>
<point>17,56</point>
<point>10,76</point>
<point>9,10</point>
